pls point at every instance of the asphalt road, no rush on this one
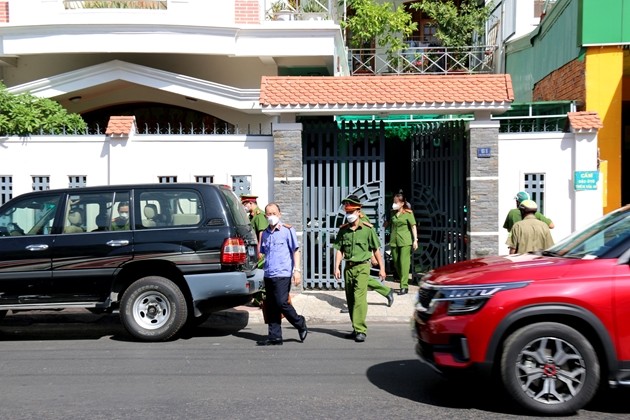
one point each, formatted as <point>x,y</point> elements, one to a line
<point>85,366</point>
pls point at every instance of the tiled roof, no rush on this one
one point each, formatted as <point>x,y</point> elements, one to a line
<point>584,121</point>
<point>386,93</point>
<point>121,126</point>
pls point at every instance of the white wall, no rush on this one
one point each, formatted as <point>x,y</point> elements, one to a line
<point>553,154</point>
<point>139,159</point>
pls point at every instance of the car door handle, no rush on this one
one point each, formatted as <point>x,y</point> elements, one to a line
<point>118,242</point>
<point>38,247</point>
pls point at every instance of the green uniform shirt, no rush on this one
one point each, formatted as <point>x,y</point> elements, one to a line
<point>530,234</point>
<point>357,245</point>
<point>258,221</point>
<point>514,216</point>
<point>400,231</point>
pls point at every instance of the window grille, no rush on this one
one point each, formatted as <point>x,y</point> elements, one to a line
<point>77,181</point>
<point>534,185</point>
<point>167,179</point>
<point>204,179</point>
<point>6,188</point>
<point>242,184</point>
<point>41,182</point>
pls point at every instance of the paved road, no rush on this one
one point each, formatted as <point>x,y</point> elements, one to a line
<point>85,366</point>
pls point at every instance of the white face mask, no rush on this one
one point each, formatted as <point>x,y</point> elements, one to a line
<point>273,220</point>
<point>395,206</point>
<point>352,217</point>
<point>124,215</point>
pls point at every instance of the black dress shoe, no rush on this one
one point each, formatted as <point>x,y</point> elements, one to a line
<point>351,336</point>
<point>390,298</point>
<point>360,338</point>
<point>303,333</point>
<point>270,342</point>
<point>403,291</point>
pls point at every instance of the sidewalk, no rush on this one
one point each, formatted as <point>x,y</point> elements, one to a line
<point>324,306</point>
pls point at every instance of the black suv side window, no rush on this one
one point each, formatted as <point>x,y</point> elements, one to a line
<point>172,208</point>
<point>90,212</point>
<point>31,216</point>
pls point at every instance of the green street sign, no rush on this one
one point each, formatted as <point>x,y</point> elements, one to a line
<point>585,180</point>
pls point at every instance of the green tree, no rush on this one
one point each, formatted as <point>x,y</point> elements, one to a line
<point>24,114</point>
<point>370,21</point>
<point>455,24</point>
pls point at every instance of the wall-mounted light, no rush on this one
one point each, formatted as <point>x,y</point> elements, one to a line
<point>75,99</point>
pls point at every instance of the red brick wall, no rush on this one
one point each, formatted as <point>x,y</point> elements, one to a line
<point>247,11</point>
<point>565,84</point>
<point>4,11</point>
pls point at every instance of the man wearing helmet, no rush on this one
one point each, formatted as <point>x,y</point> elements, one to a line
<point>514,215</point>
<point>530,234</point>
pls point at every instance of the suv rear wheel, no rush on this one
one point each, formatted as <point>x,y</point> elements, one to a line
<point>153,309</point>
<point>550,368</point>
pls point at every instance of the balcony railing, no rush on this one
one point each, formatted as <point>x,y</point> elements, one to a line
<point>116,4</point>
<point>422,60</point>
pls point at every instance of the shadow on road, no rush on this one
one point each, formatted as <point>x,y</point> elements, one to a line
<point>414,381</point>
<point>84,325</point>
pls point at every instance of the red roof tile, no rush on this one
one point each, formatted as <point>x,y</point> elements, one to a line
<point>121,126</point>
<point>386,92</point>
<point>584,121</point>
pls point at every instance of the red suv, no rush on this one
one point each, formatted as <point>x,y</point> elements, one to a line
<point>553,325</point>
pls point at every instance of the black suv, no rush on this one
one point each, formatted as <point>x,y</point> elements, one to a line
<point>162,254</point>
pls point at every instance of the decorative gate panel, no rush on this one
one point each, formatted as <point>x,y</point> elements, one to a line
<point>439,167</point>
<point>338,161</point>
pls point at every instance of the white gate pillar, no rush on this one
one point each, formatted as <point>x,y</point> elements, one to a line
<point>586,187</point>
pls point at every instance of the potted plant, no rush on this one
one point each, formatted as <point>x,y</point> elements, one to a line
<point>283,10</point>
<point>456,26</point>
<point>313,10</point>
<point>372,25</point>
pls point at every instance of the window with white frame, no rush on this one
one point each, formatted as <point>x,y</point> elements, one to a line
<point>204,179</point>
<point>167,179</point>
<point>41,182</point>
<point>6,188</point>
<point>534,185</point>
<point>77,181</point>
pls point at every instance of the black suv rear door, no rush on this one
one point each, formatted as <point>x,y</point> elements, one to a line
<point>88,254</point>
<point>26,242</point>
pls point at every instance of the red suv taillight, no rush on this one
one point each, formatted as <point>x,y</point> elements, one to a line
<point>233,252</point>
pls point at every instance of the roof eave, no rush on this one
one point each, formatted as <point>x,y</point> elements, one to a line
<point>392,109</point>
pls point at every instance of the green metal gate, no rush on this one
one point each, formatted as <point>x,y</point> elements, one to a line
<point>439,196</point>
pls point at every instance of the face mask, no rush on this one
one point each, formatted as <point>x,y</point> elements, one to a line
<point>395,206</point>
<point>273,220</point>
<point>352,217</point>
<point>124,215</point>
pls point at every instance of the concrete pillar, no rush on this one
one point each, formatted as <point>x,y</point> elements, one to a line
<point>483,186</point>
<point>287,172</point>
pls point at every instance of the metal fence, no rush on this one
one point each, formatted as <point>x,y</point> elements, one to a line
<point>422,60</point>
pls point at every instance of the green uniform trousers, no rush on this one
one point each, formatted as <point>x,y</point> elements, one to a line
<point>377,286</point>
<point>401,257</point>
<point>356,285</point>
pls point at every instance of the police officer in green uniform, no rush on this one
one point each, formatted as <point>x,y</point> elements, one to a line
<point>403,239</point>
<point>256,216</point>
<point>373,284</point>
<point>355,243</point>
<point>259,222</point>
